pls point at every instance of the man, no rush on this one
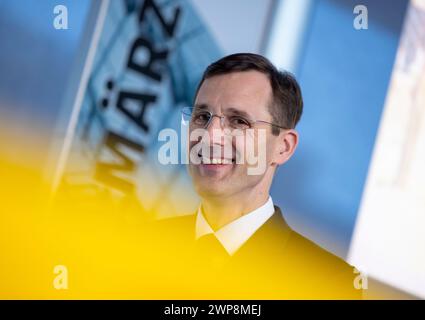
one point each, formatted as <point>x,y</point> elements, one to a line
<point>237,238</point>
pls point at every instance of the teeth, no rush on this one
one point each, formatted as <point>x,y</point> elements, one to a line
<point>220,161</point>
<point>216,161</point>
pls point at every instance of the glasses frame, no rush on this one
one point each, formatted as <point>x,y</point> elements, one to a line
<point>187,111</point>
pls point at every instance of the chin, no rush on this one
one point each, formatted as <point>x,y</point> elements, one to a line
<point>211,190</point>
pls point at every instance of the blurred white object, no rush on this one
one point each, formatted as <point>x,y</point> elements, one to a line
<point>389,238</point>
<point>287,33</point>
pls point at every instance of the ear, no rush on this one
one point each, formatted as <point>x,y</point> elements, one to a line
<point>287,142</point>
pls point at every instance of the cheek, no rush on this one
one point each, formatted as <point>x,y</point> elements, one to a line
<point>272,149</point>
<point>256,144</point>
<point>239,147</point>
<point>191,144</point>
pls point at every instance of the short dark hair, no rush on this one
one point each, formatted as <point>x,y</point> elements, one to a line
<point>287,105</point>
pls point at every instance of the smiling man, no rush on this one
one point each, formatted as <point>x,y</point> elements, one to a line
<point>246,109</point>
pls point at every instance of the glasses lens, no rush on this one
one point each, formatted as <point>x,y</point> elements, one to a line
<point>238,122</point>
<point>186,114</point>
<point>201,117</point>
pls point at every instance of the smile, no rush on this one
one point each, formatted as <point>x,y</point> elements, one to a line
<point>215,160</point>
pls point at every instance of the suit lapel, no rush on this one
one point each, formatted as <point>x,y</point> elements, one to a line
<point>272,235</point>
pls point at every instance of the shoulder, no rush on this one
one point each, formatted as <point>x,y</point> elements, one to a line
<point>317,267</point>
<point>300,264</point>
<point>300,248</point>
<point>307,252</point>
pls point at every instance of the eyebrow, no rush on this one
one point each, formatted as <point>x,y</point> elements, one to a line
<point>239,112</point>
<point>201,106</point>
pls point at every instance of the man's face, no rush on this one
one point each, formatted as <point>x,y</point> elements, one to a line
<point>239,93</point>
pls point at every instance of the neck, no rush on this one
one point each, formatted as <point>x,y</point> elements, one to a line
<point>222,211</point>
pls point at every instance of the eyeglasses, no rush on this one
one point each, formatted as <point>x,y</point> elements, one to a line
<point>202,118</point>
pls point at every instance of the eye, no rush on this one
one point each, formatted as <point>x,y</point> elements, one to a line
<point>239,122</point>
<point>201,117</point>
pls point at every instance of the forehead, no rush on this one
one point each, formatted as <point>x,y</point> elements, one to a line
<point>249,91</point>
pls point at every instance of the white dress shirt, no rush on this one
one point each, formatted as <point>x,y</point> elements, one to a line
<point>233,235</point>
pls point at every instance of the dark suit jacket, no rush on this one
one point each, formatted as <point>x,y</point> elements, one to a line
<point>276,262</point>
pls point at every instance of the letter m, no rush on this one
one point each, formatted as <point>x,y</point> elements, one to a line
<point>105,170</point>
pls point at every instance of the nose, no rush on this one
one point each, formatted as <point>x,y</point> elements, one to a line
<point>215,130</point>
<point>216,120</point>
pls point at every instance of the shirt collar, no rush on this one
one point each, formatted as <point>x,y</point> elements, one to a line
<point>233,235</point>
